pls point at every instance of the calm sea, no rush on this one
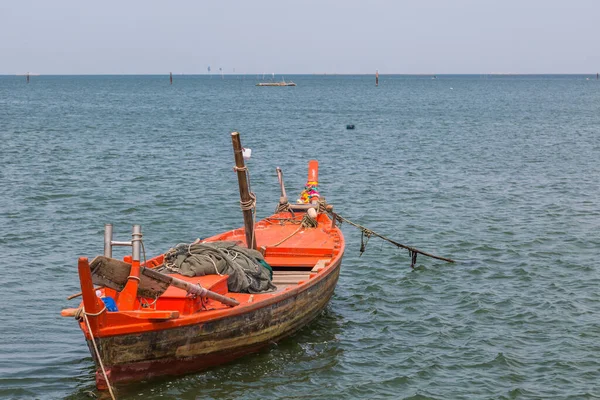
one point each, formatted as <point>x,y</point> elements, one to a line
<point>500,173</point>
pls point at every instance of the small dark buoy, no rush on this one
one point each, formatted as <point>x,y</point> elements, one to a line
<point>349,126</point>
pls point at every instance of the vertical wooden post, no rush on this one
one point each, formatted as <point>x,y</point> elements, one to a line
<point>376,77</point>
<point>244,191</point>
<point>28,77</point>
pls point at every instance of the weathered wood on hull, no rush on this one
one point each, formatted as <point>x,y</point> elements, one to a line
<point>196,347</point>
<point>171,367</point>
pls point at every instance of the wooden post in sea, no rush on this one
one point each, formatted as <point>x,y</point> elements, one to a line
<point>376,77</point>
<point>171,77</point>
<point>247,199</point>
<point>27,77</point>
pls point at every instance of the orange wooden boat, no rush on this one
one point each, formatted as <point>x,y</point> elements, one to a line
<point>182,331</point>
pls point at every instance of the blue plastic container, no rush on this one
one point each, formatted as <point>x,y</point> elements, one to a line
<point>110,304</point>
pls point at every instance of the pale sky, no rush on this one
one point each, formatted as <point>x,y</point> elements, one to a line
<point>303,37</point>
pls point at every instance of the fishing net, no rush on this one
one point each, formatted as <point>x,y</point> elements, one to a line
<point>248,272</point>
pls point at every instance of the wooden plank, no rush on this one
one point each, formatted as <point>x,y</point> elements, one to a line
<point>113,273</point>
<point>289,272</point>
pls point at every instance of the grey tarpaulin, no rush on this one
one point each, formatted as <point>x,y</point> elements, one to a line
<point>244,266</point>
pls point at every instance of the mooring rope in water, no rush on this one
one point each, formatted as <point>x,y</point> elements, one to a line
<point>112,395</point>
<point>412,251</point>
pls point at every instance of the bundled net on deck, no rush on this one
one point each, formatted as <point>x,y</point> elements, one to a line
<point>248,272</point>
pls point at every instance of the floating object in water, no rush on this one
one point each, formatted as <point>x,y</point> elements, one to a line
<point>377,78</point>
<point>159,329</point>
<point>350,126</point>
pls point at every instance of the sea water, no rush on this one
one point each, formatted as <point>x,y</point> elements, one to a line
<point>500,173</point>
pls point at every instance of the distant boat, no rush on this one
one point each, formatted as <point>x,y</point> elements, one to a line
<point>273,83</point>
<point>282,83</point>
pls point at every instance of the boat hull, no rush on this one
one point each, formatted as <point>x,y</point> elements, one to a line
<point>195,347</point>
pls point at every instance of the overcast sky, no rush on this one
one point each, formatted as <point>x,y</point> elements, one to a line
<point>286,37</point>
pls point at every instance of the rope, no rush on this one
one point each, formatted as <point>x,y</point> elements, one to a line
<point>171,254</point>
<point>249,204</point>
<point>282,221</point>
<point>281,241</point>
<point>363,243</point>
<point>145,304</point>
<point>112,395</point>
<point>96,314</point>
<point>193,292</point>
<point>322,205</point>
<point>368,233</point>
<point>204,256</point>
<point>307,222</point>
<point>282,208</point>
<point>80,312</point>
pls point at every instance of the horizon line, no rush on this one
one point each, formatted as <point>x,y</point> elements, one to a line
<point>296,74</point>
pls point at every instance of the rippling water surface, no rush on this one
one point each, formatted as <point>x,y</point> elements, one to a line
<point>500,173</point>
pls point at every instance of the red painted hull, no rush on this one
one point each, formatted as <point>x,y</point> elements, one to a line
<point>195,348</point>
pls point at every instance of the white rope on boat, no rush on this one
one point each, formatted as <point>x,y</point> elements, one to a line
<point>112,395</point>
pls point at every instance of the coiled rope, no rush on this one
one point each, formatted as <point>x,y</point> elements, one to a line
<point>283,208</point>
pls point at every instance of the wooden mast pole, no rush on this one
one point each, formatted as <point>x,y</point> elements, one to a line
<point>246,199</point>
